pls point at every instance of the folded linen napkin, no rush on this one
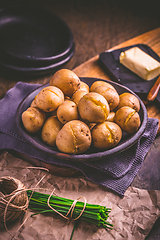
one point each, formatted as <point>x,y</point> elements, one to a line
<point>116,172</point>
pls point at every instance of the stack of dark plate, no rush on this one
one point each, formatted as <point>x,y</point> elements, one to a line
<point>33,40</point>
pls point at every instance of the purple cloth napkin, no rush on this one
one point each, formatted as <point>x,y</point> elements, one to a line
<point>116,172</point>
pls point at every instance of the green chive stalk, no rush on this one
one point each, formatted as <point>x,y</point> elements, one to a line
<point>94,214</point>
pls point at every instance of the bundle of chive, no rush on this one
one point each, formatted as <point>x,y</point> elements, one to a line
<point>91,213</point>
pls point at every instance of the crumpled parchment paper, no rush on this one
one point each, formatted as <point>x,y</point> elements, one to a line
<point>133,215</point>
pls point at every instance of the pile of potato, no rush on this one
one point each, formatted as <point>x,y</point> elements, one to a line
<point>72,116</point>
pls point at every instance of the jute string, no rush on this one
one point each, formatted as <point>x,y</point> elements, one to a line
<point>24,208</point>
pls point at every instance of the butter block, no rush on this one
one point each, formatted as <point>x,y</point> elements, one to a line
<point>140,63</point>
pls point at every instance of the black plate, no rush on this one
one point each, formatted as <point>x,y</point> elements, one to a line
<point>92,154</point>
<point>34,35</point>
<point>32,68</point>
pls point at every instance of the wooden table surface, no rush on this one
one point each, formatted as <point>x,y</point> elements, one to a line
<point>148,177</point>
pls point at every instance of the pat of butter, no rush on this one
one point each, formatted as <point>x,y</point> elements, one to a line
<point>140,63</point>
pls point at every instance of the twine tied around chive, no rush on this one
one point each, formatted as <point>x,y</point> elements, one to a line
<point>71,210</point>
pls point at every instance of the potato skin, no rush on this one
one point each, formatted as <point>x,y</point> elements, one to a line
<point>74,138</point>
<point>128,119</point>
<point>106,135</point>
<point>33,103</point>
<point>110,94</point>
<point>67,111</point>
<point>128,99</point>
<point>49,98</point>
<point>83,87</point>
<point>50,130</point>
<point>33,119</point>
<point>111,117</point>
<point>98,84</point>
<point>66,80</point>
<point>93,107</point>
<point>78,95</point>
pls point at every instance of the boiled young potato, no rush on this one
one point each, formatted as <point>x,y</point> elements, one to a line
<point>78,95</point>
<point>128,99</point>
<point>74,137</point>
<point>83,87</point>
<point>33,119</point>
<point>93,107</point>
<point>67,111</point>
<point>50,130</point>
<point>128,119</point>
<point>49,98</point>
<point>66,80</point>
<point>106,135</point>
<point>98,84</point>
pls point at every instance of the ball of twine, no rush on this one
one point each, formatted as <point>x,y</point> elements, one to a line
<point>13,199</point>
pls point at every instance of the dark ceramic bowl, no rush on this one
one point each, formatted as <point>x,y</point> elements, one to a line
<point>92,154</point>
